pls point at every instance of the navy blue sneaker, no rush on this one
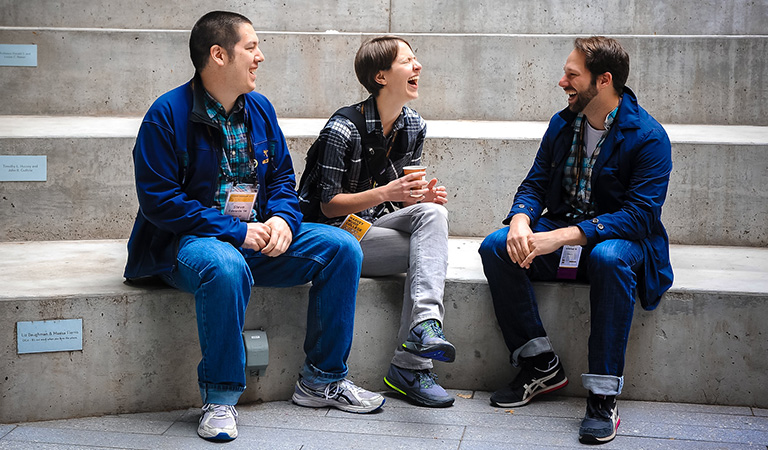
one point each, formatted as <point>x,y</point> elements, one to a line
<point>419,386</point>
<point>601,420</point>
<point>428,341</point>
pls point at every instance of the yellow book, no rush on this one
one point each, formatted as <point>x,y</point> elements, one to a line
<point>357,226</point>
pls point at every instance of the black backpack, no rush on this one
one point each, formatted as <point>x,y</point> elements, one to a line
<point>374,154</point>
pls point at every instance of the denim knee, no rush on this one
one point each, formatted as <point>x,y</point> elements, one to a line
<point>227,266</point>
<point>210,259</point>
<point>335,242</point>
<point>608,256</point>
<point>494,246</point>
<point>346,244</point>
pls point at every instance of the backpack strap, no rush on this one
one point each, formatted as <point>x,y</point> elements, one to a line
<point>374,151</point>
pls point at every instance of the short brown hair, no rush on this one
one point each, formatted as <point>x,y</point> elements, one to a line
<point>603,55</point>
<point>374,55</point>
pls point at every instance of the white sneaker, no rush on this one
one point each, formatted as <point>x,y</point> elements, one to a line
<point>218,422</point>
<point>344,395</point>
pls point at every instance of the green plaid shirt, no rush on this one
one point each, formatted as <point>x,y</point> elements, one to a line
<point>237,163</point>
<point>577,180</point>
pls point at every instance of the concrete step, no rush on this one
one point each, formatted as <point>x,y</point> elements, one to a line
<point>412,16</point>
<point>716,194</point>
<point>704,344</point>
<point>679,79</point>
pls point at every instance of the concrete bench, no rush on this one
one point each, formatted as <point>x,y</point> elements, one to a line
<point>704,344</point>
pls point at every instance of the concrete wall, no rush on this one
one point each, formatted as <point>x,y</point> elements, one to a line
<point>409,16</point>
<point>716,194</point>
<point>588,17</point>
<point>89,194</point>
<point>678,79</point>
<point>140,347</point>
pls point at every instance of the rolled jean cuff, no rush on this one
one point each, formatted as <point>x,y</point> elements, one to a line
<point>220,394</point>
<point>313,375</point>
<point>602,384</point>
<point>535,346</point>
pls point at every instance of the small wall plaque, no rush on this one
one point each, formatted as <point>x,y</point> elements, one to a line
<point>23,168</point>
<point>49,336</point>
<point>18,55</point>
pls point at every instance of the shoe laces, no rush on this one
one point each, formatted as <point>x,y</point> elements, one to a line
<point>426,378</point>
<point>332,390</point>
<point>431,328</point>
<point>219,411</point>
<point>599,406</point>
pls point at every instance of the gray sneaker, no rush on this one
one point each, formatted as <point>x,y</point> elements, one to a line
<point>344,395</point>
<point>428,341</point>
<point>218,422</point>
<point>419,386</point>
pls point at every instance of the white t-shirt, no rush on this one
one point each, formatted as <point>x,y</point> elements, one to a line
<point>591,138</point>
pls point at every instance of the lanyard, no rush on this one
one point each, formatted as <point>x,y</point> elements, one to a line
<point>235,176</point>
<point>580,152</point>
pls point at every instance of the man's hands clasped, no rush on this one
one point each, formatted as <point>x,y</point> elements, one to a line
<point>272,237</point>
<point>523,245</point>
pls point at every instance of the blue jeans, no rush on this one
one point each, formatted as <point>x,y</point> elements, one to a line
<point>221,276</point>
<point>610,267</point>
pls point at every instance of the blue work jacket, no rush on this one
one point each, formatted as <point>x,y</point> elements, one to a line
<point>629,185</point>
<point>177,161</point>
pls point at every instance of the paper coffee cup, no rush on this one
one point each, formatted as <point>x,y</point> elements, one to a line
<point>412,169</point>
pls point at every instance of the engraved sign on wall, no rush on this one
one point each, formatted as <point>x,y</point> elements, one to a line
<point>18,55</point>
<point>49,336</point>
<point>23,168</point>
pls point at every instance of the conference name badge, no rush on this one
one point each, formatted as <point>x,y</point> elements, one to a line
<point>569,262</point>
<point>240,201</point>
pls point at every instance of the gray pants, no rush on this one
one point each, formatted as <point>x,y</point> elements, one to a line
<point>413,240</point>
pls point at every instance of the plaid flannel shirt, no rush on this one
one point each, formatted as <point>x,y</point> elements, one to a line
<point>577,180</point>
<point>237,164</point>
<point>341,168</point>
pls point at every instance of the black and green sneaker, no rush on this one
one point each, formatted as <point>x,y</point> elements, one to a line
<point>428,341</point>
<point>418,386</point>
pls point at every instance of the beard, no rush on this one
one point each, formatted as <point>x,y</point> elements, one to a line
<point>583,98</point>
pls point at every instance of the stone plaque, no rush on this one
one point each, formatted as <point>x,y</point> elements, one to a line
<point>49,336</point>
<point>23,168</point>
<point>18,55</point>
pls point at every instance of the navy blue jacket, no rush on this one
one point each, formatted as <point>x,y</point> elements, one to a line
<point>629,185</point>
<point>176,159</point>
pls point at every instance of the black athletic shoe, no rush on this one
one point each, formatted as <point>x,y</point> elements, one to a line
<point>529,383</point>
<point>427,340</point>
<point>601,420</point>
